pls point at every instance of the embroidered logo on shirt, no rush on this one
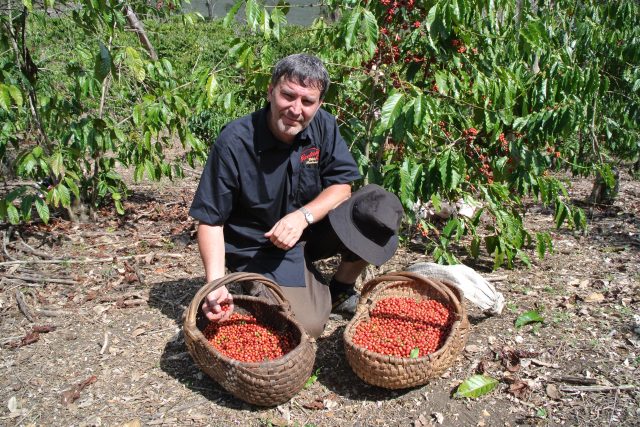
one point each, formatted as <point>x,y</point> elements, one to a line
<point>310,156</point>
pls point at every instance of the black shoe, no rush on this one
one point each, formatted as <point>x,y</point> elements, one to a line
<point>344,302</point>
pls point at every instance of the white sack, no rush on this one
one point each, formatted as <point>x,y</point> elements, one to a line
<point>473,286</point>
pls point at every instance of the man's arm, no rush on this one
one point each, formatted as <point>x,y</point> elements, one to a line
<point>211,246</point>
<point>286,232</point>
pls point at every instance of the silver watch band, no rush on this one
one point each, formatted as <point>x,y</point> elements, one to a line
<point>308,216</point>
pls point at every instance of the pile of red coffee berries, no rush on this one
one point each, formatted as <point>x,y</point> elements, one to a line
<point>405,327</point>
<point>243,338</point>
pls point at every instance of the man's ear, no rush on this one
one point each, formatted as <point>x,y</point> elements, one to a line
<point>269,90</point>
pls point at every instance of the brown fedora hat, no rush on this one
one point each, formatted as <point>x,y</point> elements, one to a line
<point>368,222</point>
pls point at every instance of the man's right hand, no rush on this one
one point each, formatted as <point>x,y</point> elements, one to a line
<point>212,306</point>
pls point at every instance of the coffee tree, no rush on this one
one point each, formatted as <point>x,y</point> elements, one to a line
<point>100,99</point>
<point>477,102</point>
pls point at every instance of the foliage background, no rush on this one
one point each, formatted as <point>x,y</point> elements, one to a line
<point>472,103</point>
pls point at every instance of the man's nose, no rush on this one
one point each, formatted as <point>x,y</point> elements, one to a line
<point>296,107</point>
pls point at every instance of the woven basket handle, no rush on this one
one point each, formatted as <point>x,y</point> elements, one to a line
<point>233,278</point>
<point>442,287</point>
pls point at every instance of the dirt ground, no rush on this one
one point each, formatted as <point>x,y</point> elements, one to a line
<point>108,298</point>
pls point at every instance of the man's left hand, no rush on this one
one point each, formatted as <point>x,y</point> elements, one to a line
<point>286,232</point>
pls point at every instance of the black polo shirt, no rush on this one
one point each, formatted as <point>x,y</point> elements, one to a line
<point>251,180</point>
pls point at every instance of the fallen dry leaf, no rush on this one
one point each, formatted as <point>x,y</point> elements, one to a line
<point>594,297</point>
<point>330,403</point>
<point>316,404</point>
<point>519,389</point>
<point>472,348</point>
<point>553,392</point>
<point>138,332</point>
<point>13,404</point>
<point>73,394</point>
<point>30,338</point>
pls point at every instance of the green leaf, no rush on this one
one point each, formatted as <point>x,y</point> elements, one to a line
<point>370,30</point>
<point>137,114</point>
<point>16,95</point>
<point>437,202</point>
<point>524,258</point>
<point>228,100</point>
<point>72,186</point>
<point>475,247</point>
<point>211,87</point>
<point>265,23</point>
<point>445,169</point>
<point>409,173</point>
<point>119,207</point>
<point>134,62</point>
<point>25,206</point>
<point>252,13</point>
<point>520,122</point>
<point>350,29</point>
<point>28,4</point>
<point>278,19</point>
<point>561,213</point>
<point>391,110</point>
<point>230,16</point>
<point>12,214</point>
<point>531,316</point>
<point>312,379</point>
<point>452,225</point>
<point>441,81</point>
<point>103,63</point>
<point>414,353</point>
<point>43,210</point>
<point>431,17</point>
<point>57,164</point>
<point>5,97</point>
<point>65,195</point>
<point>150,169</point>
<point>541,245</point>
<point>579,219</point>
<point>476,386</point>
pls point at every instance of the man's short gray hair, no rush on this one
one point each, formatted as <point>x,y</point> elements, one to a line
<point>303,69</point>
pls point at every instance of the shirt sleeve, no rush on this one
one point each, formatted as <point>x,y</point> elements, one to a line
<point>217,189</point>
<point>337,164</point>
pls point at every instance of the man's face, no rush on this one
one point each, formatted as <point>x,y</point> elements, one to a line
<point>292,108</point>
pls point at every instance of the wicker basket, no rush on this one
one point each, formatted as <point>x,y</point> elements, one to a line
<point>266,383</point>
<point>399,372</point>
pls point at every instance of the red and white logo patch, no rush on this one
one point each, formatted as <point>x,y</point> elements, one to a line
<point>310,156</point>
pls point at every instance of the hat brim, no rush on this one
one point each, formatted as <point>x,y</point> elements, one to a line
<point>342,223</point>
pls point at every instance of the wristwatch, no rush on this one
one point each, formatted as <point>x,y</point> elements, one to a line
<point>308,216</point>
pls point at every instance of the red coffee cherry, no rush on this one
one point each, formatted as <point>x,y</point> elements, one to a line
<point>398,326</point>
<point>243,338</point>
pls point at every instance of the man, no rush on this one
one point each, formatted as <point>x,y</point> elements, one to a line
<point>269,177</point>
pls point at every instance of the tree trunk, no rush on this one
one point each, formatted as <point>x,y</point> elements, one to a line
<point>210,9</point>
<point>601,193</point>
<point>137,26</point>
